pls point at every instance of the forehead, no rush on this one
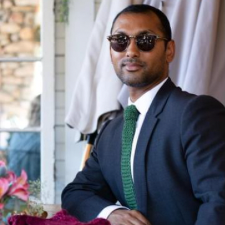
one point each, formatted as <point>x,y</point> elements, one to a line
<point>133,23</point>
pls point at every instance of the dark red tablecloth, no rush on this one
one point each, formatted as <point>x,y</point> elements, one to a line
<point>60,218</point>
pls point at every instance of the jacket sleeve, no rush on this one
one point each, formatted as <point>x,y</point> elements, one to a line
<point>89,193</point>
<point>203,139</point>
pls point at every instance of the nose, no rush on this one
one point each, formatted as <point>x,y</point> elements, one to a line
<point>132,49</point>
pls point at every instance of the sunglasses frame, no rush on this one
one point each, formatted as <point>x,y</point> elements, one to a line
<point>155,37</point>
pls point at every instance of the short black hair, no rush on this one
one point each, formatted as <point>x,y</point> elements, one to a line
<point>166,29</point>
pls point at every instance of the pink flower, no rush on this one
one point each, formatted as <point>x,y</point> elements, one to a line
<point>1,206</point>
<point>19,186</point>
<point>20,193</point>
<point>12,186</point>
<point>11,176</point>
<point>4,186</point>
<point>2,163</point>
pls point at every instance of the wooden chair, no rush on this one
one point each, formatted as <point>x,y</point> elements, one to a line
<point>88,147</point>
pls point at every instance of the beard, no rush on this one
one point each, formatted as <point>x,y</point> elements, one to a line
<point>138,79</point>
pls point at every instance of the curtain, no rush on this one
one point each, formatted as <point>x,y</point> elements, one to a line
<point>199,32</point>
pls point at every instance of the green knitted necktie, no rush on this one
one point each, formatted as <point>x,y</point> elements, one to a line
<point>130,118</point>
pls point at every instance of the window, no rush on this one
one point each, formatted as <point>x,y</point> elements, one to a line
<point>27,89</point>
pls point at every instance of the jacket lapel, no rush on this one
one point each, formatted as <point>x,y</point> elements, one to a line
<point>148,126</point>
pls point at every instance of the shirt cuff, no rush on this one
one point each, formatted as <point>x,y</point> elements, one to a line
<point>108,210</point>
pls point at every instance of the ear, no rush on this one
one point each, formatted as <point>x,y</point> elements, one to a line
<point>170,51</point>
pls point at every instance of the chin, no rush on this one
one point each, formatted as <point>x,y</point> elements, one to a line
<point>135,84</point>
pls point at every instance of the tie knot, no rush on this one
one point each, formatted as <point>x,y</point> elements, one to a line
<point>131,113</point>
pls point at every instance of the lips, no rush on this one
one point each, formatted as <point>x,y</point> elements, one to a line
<point>131,67</point>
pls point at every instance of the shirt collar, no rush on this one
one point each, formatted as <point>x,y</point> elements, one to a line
<point>143,103</point>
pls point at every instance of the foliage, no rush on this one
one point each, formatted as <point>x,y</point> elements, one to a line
<point>64,10</point>
<point>35,188</point>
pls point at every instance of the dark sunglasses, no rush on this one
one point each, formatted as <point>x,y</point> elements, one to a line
<point>144,42</point>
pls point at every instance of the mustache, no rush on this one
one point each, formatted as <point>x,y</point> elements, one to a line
<point>133,60</point>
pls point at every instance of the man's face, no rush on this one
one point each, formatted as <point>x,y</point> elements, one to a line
<point>136,68</point>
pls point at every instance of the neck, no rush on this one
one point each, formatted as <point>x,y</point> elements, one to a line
<point>136,92</point>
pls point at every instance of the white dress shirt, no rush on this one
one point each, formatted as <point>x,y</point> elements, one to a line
<point>142,104</point>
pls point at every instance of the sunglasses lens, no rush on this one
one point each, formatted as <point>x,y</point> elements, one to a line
<point>146,42</point>
<point>119,42</point>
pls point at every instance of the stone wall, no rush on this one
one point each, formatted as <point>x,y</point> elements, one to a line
<point>19,37</point>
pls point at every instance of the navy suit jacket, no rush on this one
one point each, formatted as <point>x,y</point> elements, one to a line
<point>179,165</point>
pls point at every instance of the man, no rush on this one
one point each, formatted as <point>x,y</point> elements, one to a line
<point>177,161</point>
